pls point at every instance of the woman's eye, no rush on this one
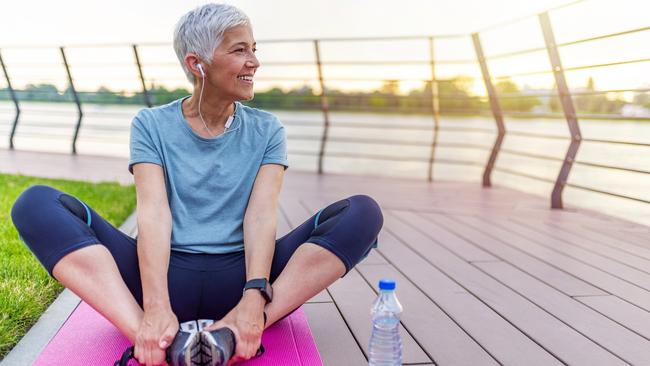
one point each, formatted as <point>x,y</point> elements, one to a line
<point>254,50</point>
<point>240,50</point>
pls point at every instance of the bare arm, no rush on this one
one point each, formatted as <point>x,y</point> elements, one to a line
<point>159,324</point>
<point>154,233</point>
<point>260,221</point>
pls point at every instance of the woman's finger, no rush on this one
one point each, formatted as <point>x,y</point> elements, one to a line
<point>167,338</point>
<point>147,356</point>
<point>248,351</point>
<point>158,356</point>
<point>241,349</point>
<point>136,352</point>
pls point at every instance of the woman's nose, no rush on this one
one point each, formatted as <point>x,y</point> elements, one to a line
<point>252,61</point>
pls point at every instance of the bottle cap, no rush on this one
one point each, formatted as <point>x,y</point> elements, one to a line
<point>386,284</point>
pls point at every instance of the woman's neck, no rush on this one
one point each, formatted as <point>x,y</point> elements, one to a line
<point>214,113</point>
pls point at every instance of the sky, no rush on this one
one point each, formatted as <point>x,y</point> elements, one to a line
<point>73,22</point>
<point>59,22</point>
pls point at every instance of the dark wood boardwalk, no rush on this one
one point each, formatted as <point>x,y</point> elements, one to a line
<point>486,276</point>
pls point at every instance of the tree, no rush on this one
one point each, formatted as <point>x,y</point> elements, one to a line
<point>512,100</point>
<point>390,87</point>
<point>45,92</point>
<point>590,101</point>
<point>455,95</point>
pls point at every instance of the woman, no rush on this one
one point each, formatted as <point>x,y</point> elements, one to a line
<point>208,173</point>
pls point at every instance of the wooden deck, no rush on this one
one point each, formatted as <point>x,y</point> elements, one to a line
<point>486,277</point>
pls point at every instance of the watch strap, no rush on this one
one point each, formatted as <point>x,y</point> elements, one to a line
<point>261,284</point>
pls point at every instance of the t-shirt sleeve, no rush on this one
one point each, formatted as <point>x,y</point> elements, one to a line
<point>276,148</point>
<point>142,146</point>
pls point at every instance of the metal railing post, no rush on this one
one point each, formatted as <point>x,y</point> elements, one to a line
<point>324,107</point>
<point>567,107</point>
<point>147,98</point>
<point>76,100</point>
<point>435,108</point>
<point>496,110</point>
<point>14,98</point>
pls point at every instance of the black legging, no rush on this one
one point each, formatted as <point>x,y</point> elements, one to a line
<point>201,286</point>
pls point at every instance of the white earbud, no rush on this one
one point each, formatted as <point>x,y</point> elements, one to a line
<point>198,66</point>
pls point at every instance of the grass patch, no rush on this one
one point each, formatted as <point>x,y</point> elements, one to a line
<point>26,289</point>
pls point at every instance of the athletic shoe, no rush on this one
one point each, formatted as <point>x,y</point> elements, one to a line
<point>185,349</point>
<point>218,345</point>
<point>204,323</point>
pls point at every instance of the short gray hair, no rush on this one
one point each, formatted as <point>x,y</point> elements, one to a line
<point>201,31</point>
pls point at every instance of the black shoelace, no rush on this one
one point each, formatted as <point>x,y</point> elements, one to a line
<point>126,356</point>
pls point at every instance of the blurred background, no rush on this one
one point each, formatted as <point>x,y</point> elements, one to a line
<point>411,89</point>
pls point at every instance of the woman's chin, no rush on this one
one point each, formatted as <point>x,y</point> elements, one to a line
<point>247,97</point>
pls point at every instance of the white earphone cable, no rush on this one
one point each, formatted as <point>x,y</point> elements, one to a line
<point>200,99</point>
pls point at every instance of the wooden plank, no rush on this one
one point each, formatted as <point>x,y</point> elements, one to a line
<point>437,333</point>
<point>130,225</point>
<point>590,274</point>
<point>446,238</point>
<point>622,342</point>
<point>579,242</point>
<point>623,312</point>
<point>354,298</point>
<point>555,336</point>
<point>617,269</point>
<point>333,339</point>
<point>496,335</point>
<point>613,238</point>
<point>322,296</point>
<point>640,238</point>
<point>373,256</point>
<point>90,168</point>
<point>294,211</point>
<point>401,193</point>
<point>559,279</point>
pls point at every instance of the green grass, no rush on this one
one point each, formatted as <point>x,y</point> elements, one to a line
<point>26,289</point>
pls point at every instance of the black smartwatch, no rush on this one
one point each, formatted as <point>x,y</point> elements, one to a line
<point>263,285</point>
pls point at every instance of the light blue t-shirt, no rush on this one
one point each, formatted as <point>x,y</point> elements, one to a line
<point>208,181</point>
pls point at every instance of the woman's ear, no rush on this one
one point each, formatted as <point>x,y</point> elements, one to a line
<point>193,63</point>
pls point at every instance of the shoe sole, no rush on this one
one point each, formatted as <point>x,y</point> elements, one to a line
<point>201,350</point>
<point>209,350</point>
<point>192,356</point>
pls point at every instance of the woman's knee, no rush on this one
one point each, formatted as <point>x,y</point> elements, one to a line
<point>28,204</point>
<point>369,209</point>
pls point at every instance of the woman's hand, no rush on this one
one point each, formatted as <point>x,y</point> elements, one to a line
<point>157,331</point>
<point>246,320</point>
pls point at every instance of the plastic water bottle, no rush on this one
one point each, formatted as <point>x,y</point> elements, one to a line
<point>385,342</point>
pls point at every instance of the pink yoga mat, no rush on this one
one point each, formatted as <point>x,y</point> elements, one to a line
<point>87,339</point>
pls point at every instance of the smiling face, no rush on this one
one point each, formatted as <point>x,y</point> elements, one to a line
<point>233,65</point>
